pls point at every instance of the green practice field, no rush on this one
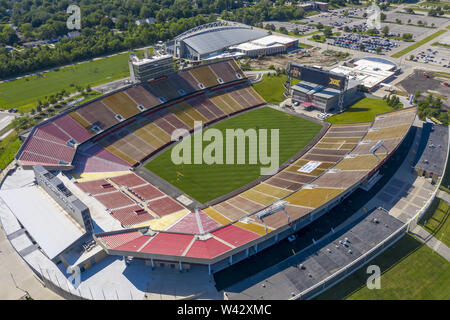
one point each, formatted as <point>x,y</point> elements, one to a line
<point>207,182</point>
<point>362,111</point>
<point>24,93</point>
<point>410,271</point>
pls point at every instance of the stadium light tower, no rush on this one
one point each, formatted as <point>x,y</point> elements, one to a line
<point>378,145</point>
<point>274,208</point>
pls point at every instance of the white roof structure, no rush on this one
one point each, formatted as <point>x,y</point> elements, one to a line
<point>271,41</point>
<point>367,72</point>
<point>213,37</point>
<point>49,225</point>
<point>137,62</point>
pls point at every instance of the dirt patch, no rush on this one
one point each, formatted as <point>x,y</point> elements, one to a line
<point>310,57</point>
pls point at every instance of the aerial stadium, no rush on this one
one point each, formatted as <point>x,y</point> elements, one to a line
<point>99,203</point>
<point>111,211</point>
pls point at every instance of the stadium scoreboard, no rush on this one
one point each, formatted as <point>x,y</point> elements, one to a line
<point>318,76</point>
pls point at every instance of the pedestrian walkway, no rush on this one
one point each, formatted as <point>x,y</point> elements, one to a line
<point>16,278</point>
<point>444,196</point>
<point>432,242</point>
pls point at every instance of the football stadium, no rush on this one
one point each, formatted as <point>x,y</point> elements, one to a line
<point>95,203</point>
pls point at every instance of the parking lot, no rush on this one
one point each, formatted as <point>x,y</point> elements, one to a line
<point>418,81</point>
<point>303,29</point>
<point>370,43</point>
<point>433,55</point>
<point>6,118</point>
<point>395,29</point>
<point>406,18</point>
<point>332,18</point>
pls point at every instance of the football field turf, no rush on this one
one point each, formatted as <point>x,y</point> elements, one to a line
<point>207,182</point>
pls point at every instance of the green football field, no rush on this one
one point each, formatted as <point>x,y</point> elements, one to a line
<point>24,93</point>
<point>409,271</point>
<point>207,182</point>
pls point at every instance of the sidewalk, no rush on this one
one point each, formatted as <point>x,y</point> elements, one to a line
<point>432,242</point>
<point>14,271</point>
<point>443,195</point>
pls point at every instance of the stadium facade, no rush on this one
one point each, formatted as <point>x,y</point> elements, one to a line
<point>320,89</point>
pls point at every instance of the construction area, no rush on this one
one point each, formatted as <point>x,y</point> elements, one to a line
<point>312,56</point>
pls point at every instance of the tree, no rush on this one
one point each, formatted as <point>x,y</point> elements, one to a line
<point>417,94</point>
<point>411,57</point>
<point>327,32</point>
<point>372,31</point>
<point>283,30</point>
<point>382,16</point>
<point>407,36</point>
<point>362,47</point>
<point>319,26</point>
<point>385,31</point>
<point>378,50</point>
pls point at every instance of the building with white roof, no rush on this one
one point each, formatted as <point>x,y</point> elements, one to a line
<point>370,72</point>
<point>269,45</point>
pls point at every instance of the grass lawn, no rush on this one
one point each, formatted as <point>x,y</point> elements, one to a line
<point>8,149</point>
<point>207,182</point>
<point>410,271</point>
<point>444,45</point>
<point>418,44</point>
<point>271,88</point>
<point>362,111</point>
<point>436,221</point>
<point>23,93</point>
